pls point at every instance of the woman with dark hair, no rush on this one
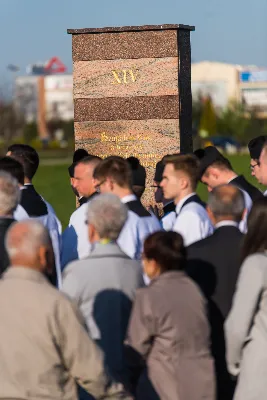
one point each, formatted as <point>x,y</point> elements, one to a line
<point>168,336</point>
<point>246,325</point>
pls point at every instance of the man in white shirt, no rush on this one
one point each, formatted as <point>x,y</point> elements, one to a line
<point>113,175</point>
<point>75,244</point>
<point>169,215</point>
<point>179,182</point>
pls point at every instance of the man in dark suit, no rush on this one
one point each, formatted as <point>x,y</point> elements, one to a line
<point>218,254</point>
<point>216,170</point>
<point>32,202</point>
<point>213,263</point>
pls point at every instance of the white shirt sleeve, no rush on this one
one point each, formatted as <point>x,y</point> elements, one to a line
<point>168,221</point>
<point>75,241</point>
<point>20,213</point>
<point>192,227</point>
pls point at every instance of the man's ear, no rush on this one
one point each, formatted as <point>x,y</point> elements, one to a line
<point>91,232</point>
<point>211,215</point>
<point>43,257</point>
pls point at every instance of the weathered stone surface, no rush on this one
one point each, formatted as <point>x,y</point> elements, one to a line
<point>126,78</point>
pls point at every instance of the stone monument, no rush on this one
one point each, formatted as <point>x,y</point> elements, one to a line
<point>132,92</point>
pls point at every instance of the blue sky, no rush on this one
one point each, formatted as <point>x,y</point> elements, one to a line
<point>231,31</point>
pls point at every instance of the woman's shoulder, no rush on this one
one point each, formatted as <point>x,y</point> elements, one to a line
<point>256,258</point>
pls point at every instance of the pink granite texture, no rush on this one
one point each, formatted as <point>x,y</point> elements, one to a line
<point>147,140</point>
<point>126,78</point>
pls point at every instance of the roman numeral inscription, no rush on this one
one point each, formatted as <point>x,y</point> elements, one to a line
<point>124,76</point>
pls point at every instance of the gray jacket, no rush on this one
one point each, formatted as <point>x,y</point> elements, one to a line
<point>44,347</point>
<point>170,332</point>
<point>104,285</point>
<point>246,330</point>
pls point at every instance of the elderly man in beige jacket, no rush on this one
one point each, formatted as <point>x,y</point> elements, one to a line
<point>44,347</point>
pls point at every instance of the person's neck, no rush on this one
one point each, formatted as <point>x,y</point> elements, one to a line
<point>27,181</point>
<point>229,175</point>
<point>88,195</point>
<point>122,192</point>
<point>225,218</point>
<point>183,194</point>
<point>7,216</point>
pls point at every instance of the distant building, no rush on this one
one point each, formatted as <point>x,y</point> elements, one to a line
<point>226,82</point>
<point>55,94</point>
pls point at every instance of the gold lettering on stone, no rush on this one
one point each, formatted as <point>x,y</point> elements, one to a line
<point>124,76</point>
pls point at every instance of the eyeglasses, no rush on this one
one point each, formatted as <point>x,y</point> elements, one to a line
<point>97,187</point>
<point>156,186</point>
<point>254,165</point>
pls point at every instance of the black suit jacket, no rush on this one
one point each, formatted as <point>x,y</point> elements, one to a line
<point>252,191</point>
<point>214,264</point>
<point>32,202</point>
<point>4,260</point>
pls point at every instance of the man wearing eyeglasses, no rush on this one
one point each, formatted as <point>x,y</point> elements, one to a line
<point>262,169</point>
<point>255,147</point>
<point>74,239</point>
<point>113,175</point>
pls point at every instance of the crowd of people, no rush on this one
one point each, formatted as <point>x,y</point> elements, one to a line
<point>164,303</point>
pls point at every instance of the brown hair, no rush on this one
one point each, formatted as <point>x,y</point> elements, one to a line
<point>116,168</point>
<point>188,163</point>
<point>167,249</point>
<point>221,165</point>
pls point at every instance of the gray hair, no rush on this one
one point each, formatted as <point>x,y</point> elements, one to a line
<point>9,193</point>
<point>108,215</point>
<point>227,200</point>
<point>24,238</point>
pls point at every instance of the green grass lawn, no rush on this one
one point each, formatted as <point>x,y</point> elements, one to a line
<point>53,183</point>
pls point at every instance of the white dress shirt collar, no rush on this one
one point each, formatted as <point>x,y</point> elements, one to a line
<point>226,223</point>
<point>128,198</point>
<point>235,176</point>
<point>265,193</point>
<point>180,204</point>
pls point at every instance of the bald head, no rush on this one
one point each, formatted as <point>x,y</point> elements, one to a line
<point>226,202</point>
<point>28,244</point>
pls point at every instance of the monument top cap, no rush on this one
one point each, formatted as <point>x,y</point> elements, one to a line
<point>131,29</point>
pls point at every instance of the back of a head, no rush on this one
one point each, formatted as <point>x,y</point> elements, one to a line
<point>13,167</point>
<point>255,146</point>
<point>138,176</point>
<point>24,240</point>
<point>210,156</point>
<point>227,201</point>
<point>138,172</point>
<point>159,171</point>
<point>167,249</point>
<point>256,239</point>
<point>28,157</point>
<point>187,163</point>
<point>108,215</point>
<point>115,168</point>
<point>9,194</point>
<point>79,154</point>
